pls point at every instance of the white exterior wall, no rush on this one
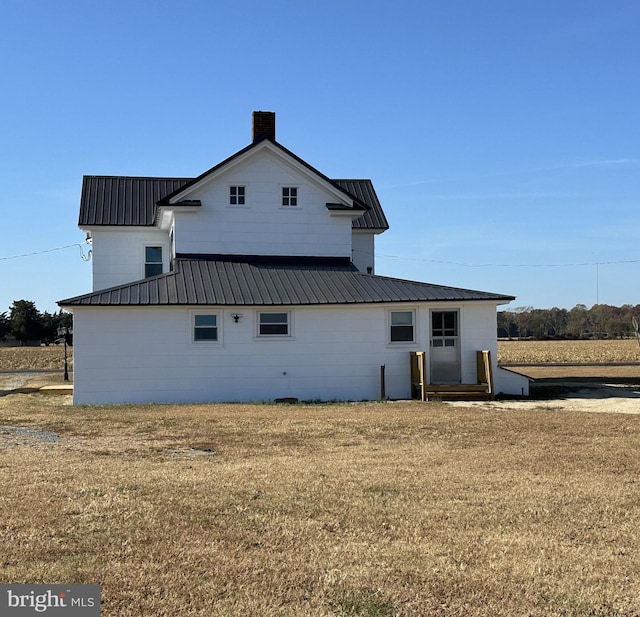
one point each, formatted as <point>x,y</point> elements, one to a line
<point>478,325</point>
<point>363,251</point>
<point>335,353</point>
<point>118,254</point>
<point>263,226</point>
<point>512,382</point>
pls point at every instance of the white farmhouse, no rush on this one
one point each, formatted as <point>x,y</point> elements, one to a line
<point>255,281</point>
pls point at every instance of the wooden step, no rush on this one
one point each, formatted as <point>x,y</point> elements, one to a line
<point>458,396</point>
<point>58,389</point>
<point>466,387</point>
<point>458,392</point>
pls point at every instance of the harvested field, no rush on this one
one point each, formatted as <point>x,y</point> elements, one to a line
<point>568,352</point>
<point>509,352</point>
<point>379,509</point>
<point>34,358</point>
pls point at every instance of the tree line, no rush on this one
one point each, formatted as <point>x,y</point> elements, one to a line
<point>600,321</point>
<point>26,324</point>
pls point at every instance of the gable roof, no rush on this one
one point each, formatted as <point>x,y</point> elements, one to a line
<point>220,282</point>
<point>123,200</point>
<point>134,201</point>
<point>363,190</point>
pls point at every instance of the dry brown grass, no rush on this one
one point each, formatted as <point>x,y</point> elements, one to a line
<point>34,358</point>
<point>538,352</point>
<point>409,509</point>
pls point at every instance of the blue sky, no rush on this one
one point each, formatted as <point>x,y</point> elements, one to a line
<point>502,136</point>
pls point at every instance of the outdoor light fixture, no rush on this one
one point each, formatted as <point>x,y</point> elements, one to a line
<point>236,317</point>
<point>63,339</point>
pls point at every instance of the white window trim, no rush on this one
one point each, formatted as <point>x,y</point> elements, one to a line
<point>244,185</point>
<point>414,323</point>
<point>298,206</point>
<point>163,246</point>
<point>274,337</point>
<point>192,325</point>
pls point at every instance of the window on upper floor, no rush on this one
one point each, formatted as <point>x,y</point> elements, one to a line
<point>236,195</point>
<point>289,195</point>
<point>152,261</point>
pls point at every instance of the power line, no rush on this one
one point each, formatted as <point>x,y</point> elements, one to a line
<point>59,248</point>
<point>501,265</point>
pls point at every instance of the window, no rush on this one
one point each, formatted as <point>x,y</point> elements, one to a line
<point>205,328</point>
<point>273,324</point>
<point>444,328</point>
<point>152,261</point>
<point>289,196</point>
<point>236,195</point>
<point>402,327</point>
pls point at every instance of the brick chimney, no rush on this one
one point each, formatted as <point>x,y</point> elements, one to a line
<point>264,125</point>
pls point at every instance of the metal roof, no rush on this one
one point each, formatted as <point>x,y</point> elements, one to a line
<point>363,190</point>
<point>123,200</point>
<point>133,201</point>
<point>217,283</point>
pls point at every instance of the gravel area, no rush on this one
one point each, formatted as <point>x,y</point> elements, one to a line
<point>23,436</point>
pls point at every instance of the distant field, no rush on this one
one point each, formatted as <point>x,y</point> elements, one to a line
<point>34,358</point>
<point>541,352</point>
<point>509,352</point>
<point>375,510</point>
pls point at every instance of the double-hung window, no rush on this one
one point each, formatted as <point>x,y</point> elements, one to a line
<point>273,324</point>
<point>152,261</point>
<point>289,195</point>
<point>236,195</point>
<point>401,326</point>
<point>205,328</point>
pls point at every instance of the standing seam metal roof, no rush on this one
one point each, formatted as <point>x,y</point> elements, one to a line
<point>129,201</point>
<point>123,200</point>
<point>201,282</point>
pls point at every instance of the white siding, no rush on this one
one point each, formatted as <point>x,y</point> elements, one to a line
<point>334,353</point>
<point>263,226</point>
<point>363,252</point>
<point>118,254</point>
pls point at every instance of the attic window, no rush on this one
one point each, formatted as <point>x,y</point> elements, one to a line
<point>236,195</point>
<point>289,195</point>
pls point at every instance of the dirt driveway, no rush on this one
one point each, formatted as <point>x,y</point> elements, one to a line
<point>588,396</point>
<point>11,381</point>
<point>581,395</point>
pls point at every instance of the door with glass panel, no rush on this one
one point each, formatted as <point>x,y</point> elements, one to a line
<point>445,347</point>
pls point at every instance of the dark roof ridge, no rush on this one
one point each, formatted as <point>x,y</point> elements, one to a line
<point>130,177</point>
<point>279,260</point>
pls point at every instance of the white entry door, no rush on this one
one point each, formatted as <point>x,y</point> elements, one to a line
<point>445,347</point>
